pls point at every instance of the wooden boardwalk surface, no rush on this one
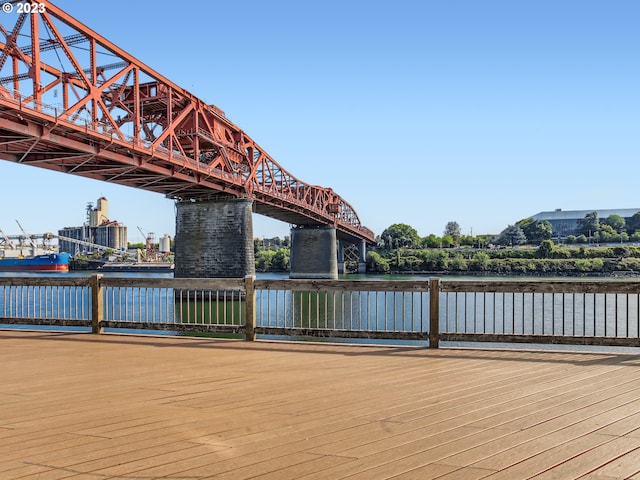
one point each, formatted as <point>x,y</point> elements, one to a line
<point>98,407</point>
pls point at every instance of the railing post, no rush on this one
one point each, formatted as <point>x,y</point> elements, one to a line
<point>434,312</point>
<point>97,304</point>
<point>250,308</point>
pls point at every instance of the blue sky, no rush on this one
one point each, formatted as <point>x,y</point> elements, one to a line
<point>417,112</point>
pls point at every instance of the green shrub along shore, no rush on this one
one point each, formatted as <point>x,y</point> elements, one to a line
<point>600,247</point>
<point>525,248</point>
<point>548,259</point>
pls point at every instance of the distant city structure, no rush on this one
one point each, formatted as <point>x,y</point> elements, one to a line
<point>565,222</point>
<point>98,230</point>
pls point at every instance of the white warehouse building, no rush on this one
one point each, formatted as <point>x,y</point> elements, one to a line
<point>565,222</point>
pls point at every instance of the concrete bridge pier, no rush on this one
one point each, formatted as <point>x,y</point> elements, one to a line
<point>214,238</point>
<point>314,253</point>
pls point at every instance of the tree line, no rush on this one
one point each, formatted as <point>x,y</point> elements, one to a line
<point>547,259</point>
<point>528,231</point>
<point>525,247</point>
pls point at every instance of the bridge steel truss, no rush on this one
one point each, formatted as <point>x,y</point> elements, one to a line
<point>73,102</point>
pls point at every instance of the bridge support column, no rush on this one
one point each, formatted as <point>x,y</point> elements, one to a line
<point>314,253</point>
<point>362,257</point>
<point>214,239</point>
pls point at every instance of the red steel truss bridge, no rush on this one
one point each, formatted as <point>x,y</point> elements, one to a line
<point>73,102</point>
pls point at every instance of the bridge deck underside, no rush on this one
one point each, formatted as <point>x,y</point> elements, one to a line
<point>29,140</point>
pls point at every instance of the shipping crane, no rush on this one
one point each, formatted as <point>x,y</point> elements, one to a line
<point>150,247</point>
<point>95,246</point>
<point>7,243</point>
<point>28,237</point>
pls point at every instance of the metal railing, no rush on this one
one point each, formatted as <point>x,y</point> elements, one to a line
<point>41,301</point>
<point>577,312</point>
<point>343,308</point>
<point>180,305</point>
<point>541,312</point>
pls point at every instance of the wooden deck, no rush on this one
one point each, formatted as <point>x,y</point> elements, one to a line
<point>98,407</point>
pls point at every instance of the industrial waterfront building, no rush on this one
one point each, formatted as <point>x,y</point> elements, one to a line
<point>98,230</point>
<point>565,222</point>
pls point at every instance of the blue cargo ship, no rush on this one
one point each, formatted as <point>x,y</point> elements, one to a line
<point>51,262</point>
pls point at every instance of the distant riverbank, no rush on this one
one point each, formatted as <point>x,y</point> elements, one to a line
<point>553,260</point>
<point>456,273</point>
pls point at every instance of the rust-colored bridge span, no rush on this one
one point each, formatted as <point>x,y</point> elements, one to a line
<point>73,102</point>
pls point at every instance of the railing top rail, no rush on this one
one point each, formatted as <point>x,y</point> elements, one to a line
<point>178,283</point>
<point>44,281</point>
<point>131,282</point>
<point>542,286</point>
<point>344,285</point>
<point>573,285</point>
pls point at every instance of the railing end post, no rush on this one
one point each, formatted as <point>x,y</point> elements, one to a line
<point>250,308</point>
<point>97,304</point>
<point>434,312</point>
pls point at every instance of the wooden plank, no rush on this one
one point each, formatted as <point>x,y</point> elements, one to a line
<point>537,456</point>
<point>622,450</point>
<point>566,404</point>
<point>628,426</point>
<point>435,470</point>
<point>499,453</point>
<point>541,339</point>
<point>512,399</point>
<point>416,466</point>
<point>621,465</point>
